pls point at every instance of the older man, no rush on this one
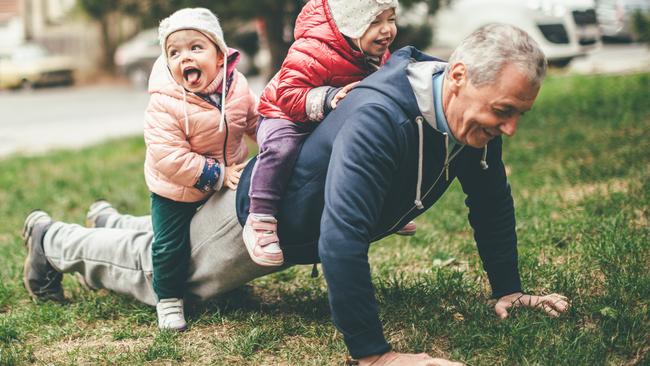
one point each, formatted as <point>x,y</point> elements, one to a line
<point>382,157</point>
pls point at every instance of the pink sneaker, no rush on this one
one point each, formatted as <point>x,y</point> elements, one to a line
<point>408,230</point>
<point>261,239</point>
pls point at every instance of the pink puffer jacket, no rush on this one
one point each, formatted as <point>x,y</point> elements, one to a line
<point>175,160</point>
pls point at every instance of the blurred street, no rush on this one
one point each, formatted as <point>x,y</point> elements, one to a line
<point>35,121</point>
<point>614,59</point>
<point>65,117</point>
<point>39,120</point>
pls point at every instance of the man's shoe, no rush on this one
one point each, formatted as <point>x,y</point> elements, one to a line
<point>261,239</point>
<point>41,280</point>
<point>170,314</point>
<point>98,212</point>
<point>408,230</point>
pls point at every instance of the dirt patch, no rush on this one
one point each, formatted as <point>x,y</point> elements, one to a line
<point>580,192</point>
<point>640,220</point>
<point>86,349</point>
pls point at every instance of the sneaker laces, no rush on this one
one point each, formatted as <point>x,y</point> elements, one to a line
<point>171,307</point>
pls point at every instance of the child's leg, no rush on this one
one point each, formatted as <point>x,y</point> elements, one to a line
<point>279,142</point>
<point>170,255</point>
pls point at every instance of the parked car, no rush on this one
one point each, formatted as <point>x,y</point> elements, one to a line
<point>31,65</point>
<point>563,29</point>
<point>135,57</point>
<point>615,17</point>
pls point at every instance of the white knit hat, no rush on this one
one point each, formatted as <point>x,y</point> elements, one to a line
<point>198,19</point>
<point>353,17</point>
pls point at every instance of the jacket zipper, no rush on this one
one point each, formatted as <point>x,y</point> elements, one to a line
<point>225,143</point>
<point>445,168</point>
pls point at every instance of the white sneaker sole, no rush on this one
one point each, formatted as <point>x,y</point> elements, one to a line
<point>94,210</point>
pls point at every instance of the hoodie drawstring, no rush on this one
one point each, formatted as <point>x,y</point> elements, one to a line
<point>223,91</point>
<point>446,156</point>
<point>418,192</point>
<point>484,164</point>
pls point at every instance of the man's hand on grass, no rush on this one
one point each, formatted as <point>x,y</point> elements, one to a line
<point>552,304</point>
<point>406,359</point>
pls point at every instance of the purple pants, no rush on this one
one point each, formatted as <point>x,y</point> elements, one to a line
<point>279,141</point>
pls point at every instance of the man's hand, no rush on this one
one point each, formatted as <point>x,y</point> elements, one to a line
<point>232,174</point>
<point>552,304</point>
<point>342,93</point>
<point>406,359</point>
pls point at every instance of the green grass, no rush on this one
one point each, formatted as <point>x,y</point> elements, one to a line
<point>579,168</point>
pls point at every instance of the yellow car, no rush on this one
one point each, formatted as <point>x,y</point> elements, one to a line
<point>31,65</point>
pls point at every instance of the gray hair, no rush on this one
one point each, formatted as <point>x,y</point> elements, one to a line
<point>487,50</point>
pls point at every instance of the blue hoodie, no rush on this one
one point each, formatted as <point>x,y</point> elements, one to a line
<point>375,163</point>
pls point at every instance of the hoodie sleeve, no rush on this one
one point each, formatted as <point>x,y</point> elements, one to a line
<point>304,68</point>
<point>168,146</point>
<point>364,156</point>
<point>492,216</point>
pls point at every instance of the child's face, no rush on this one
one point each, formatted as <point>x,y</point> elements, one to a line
<point>380,34</point>
<point>193,59</point>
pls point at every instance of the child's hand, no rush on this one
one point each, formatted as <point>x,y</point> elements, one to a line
<point>232,174</point>
<point>342,93</point>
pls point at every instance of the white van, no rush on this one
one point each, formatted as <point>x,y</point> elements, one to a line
<point>563,29</point>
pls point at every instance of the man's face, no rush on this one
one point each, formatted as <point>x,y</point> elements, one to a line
<point>193,59</point>
<point>477,115</point>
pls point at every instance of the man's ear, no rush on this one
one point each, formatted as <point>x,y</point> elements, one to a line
<point>457,75</point>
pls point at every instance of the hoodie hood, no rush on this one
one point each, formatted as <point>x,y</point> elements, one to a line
<point>394,81</point>
<point>420,76</point>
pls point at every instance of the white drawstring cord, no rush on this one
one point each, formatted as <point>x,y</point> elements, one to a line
<point>223,91</point>
<point>418,194</point>
<point>187,120</point>
<point>484,164</point>
<point>446,156</point>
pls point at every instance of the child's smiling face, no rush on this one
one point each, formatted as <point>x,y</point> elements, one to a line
<point>193,59</point>
<point>380,34</point>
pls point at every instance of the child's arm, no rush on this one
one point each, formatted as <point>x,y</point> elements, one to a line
<point>171,152</point>
<point>304,76</point>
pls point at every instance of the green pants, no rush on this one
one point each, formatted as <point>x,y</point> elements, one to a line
<point>170,250</point>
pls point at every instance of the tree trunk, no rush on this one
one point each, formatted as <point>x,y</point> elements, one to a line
<point>108,46</point>
<point>277,44</point>
<point>28,20</point>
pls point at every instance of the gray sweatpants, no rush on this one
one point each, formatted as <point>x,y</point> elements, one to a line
<point>118,257</point>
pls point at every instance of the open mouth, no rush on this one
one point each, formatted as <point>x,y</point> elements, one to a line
<point>191,75</point>
<point>382,42</point>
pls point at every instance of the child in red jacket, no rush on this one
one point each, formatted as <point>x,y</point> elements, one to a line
<point>337,44</point>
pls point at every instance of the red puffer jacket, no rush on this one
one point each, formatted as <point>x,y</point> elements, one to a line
<point>319,56</point>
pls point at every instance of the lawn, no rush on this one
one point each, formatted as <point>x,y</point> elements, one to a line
<point>579,168</point>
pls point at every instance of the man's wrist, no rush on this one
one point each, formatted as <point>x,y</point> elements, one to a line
<point>368,360</point>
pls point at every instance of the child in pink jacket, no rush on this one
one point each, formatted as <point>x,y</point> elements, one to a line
<point>194,141</point>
